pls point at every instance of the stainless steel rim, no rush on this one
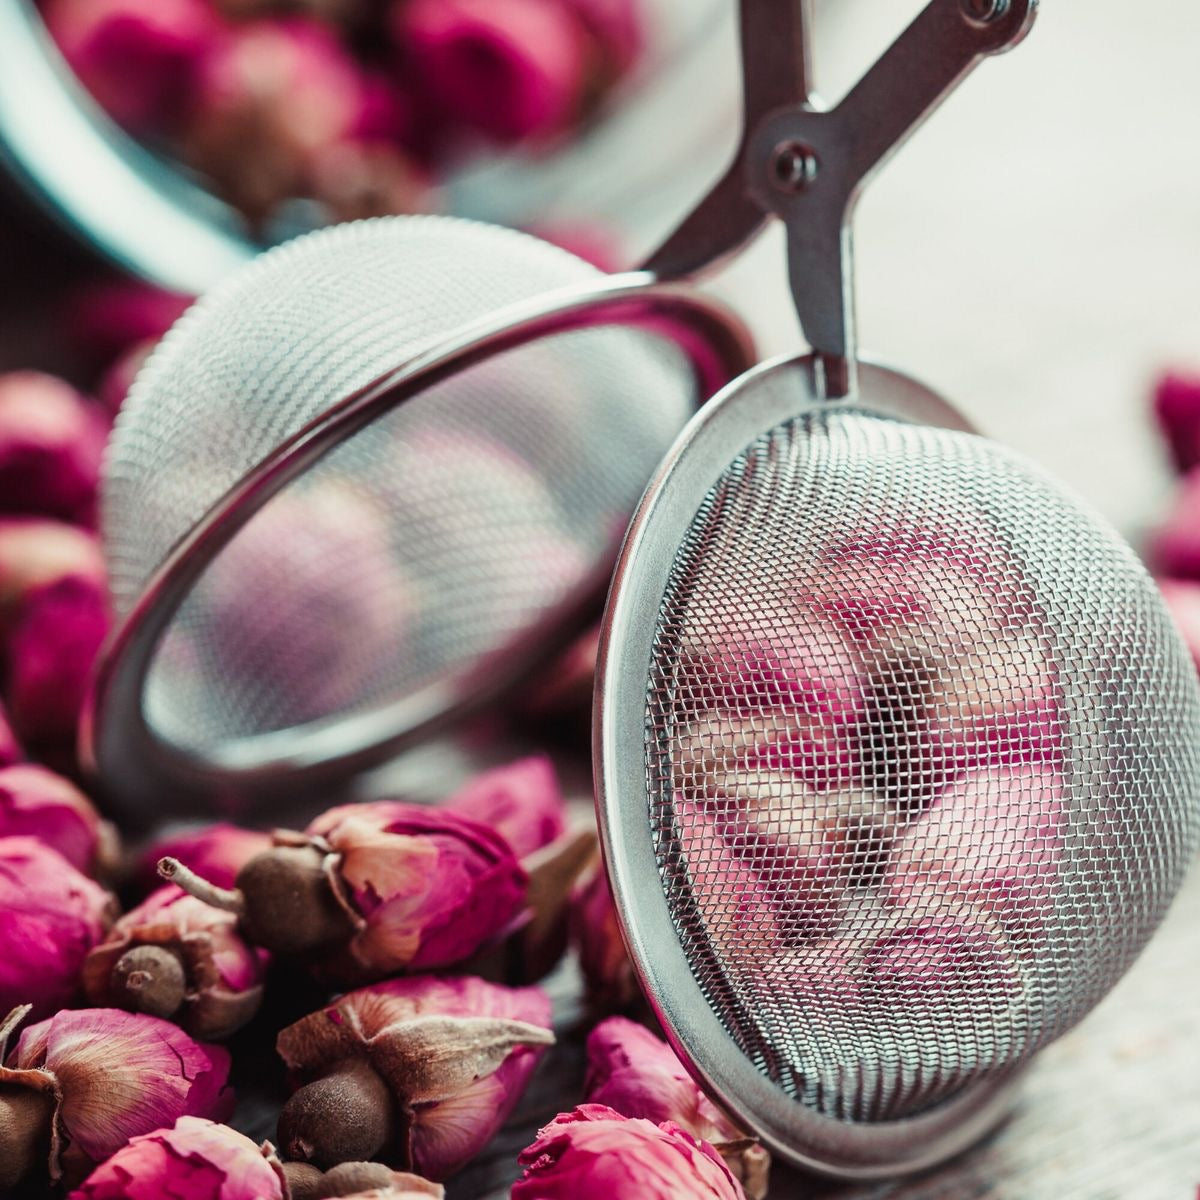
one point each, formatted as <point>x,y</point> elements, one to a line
<point>137,765</point>
<point>697,460</point>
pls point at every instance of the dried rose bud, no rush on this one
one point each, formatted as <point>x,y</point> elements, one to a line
<point>638,1075</point>
<point>272,95</point>
<point>508,71</point>
<point>106,319</point>
<point>50,917</point>
<point>421,1072</point>
<point>521,801</point>
<point>118,379</point>
<point>35,802</point>
<point>595,932</point>
<point>215,852</point>
<point>35,552</point>
<point>1183,602</point>
<point>594,1153</point>
<point>176,957</point>
<point>1175,547</point>
<point>1177,407</point>
<point>55,637</point>
<point>993,839</point>
<point>361,898</point>
<point>368,177</point>
<point>51,443</point>
<point>193,1160</point>
<point>110,1076</point>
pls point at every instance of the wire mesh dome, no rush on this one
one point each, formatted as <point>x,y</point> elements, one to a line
<point>428,544</point>
<point>921,757</point>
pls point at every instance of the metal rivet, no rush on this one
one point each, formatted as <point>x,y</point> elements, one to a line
<point>794,166</point>
<point>982,12</point>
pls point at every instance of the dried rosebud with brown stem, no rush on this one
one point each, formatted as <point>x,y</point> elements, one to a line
<point>359,898</point>
<point>77,1087</point>
<point>215,852</point>
<point>637,1074</point>
<point>357,1179</point>
<point>50,917</point>
<point>419,1072</point>
<point>176,957</point>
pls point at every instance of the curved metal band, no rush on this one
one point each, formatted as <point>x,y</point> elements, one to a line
<point>699,458</point>
<point>116,740</point>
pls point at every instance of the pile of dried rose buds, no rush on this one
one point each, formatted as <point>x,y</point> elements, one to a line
<point>358,106</point>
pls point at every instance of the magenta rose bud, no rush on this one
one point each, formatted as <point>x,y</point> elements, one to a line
<point>181,959</point>
<point>216,852</point>
<point>1182,597</point>
<point>1177,407</point>
<point>608,974</point>
<point>507,69</point>
<point>35,802</point>
<point>993,839</point>
<point>637,1074</point>
<point>35,552</point>
<point>1175,547</point>
<point>594,1152</point>
<point>139,58</point>
<point>55,637</point>
<point>419,1072</point>
<point>521,801</point>
<point>111,1076</point>
<point>50,917</point>
<point>193,1160</point>
<point>51,442</point>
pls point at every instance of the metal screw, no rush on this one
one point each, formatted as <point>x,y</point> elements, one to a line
<point>794,166</point>
<point>983,12</point>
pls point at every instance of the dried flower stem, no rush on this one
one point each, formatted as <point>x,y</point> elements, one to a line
<point>227,899</point>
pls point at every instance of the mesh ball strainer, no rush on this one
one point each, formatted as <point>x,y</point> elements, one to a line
<point>898,753</point>
<point>309,573</point>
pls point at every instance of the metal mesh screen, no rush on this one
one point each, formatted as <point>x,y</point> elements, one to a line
<point>430,542</point>
<point>921,766</point>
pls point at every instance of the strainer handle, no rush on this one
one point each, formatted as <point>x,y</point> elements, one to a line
<point>808,166</point>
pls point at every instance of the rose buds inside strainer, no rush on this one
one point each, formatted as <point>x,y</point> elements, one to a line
<point>900,728</point>
<point>365,485</point>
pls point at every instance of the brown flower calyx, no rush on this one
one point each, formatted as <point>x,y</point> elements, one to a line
<point>149,979</point>
<point>28,1129</point>
<point>288,899</point>
<point>348,1115</point>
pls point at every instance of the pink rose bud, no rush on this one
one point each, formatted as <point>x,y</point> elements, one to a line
<point>217,852</point>
<point>638,1075</point>
<point>359,898</point>
<point>594,1152</point>
<point>608,974</point>
<point>52,646</point>
<point>993,839</point>
<point>51,442</point>
<point>507,69</point>
<point>105,320</point>
<point>421,1072</point>
<point>10,748</point>
<point>139,58</point>
<point>522,802</point>
<point>617,28</point>
<point>1175,547</point>
<point>1183,601</point>
<point>272,95</point>
<point>1177,407</point>
<point>181,959</point>
<point>35,552</point>
<point>109,1076</point>
<point>50,917</point>
<point>118,379</point>
<point>35,802</point>
<point>193,1160</point>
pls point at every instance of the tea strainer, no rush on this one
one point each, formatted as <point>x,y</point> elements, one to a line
<point>897,751</point>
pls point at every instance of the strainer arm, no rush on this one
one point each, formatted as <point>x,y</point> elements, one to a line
<point>776,73</point>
